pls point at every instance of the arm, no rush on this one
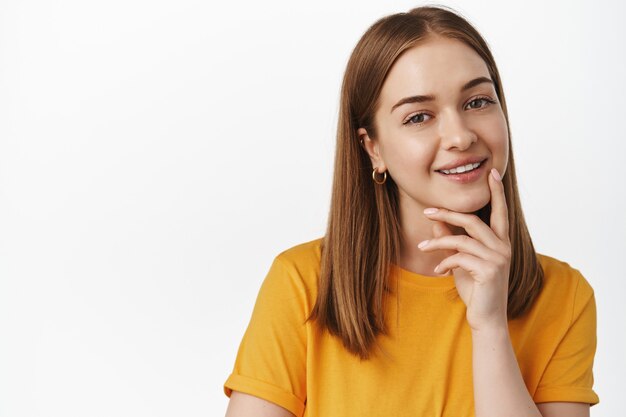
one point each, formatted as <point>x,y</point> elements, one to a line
<point>271,360</point>
<point>499,388</point>
<point>569,409</point>
<point>245,405</point>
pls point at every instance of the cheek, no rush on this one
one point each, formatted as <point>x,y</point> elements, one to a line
<point>411,159</point>
<point>496,136</point>
<point>505,162</point>
<point>502,145</point>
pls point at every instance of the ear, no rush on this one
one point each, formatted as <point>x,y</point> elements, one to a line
<point>372,148</point>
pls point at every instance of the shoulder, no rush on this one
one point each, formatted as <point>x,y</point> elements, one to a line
<point>564,285</point>
<point>307,254</point>
<point>298,267</point>
<point>558,273</point>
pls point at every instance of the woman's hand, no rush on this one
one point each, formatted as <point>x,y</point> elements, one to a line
<point>481,263</point>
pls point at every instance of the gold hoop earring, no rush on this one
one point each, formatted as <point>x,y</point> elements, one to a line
<point>376,180</point>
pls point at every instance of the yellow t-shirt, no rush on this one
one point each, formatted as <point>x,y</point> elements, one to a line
<point>428,370</point>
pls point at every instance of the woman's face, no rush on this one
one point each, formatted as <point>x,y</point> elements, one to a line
<point>419,137</point>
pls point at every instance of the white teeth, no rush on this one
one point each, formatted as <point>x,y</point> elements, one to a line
<point>464,168</point>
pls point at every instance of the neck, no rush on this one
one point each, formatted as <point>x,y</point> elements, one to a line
<point>416,227</point>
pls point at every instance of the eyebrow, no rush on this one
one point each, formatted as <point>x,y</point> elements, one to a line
<point>430,97</point>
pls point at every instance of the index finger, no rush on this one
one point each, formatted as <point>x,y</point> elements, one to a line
<point>499,220</point>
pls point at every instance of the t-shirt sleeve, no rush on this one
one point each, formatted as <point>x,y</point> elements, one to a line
<point>271,360</point>
<point>569,374</point>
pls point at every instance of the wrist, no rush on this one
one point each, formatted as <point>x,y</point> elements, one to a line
<point>500,327</point>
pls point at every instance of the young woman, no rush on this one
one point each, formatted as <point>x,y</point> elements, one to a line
<point>425,297</point>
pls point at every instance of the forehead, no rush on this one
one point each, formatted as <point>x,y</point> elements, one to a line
<point>438,66</point>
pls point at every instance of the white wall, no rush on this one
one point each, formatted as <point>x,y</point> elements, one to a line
<point>156,155</point>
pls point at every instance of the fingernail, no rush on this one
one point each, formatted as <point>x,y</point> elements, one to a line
<point>430,210</point>
<point>437,269</point>
<point>422,244</point>
<point>496,174</point>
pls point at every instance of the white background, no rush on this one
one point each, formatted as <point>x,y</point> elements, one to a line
<point>156,155</point>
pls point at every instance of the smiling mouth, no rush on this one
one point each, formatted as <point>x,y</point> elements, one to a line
<point>464,168</point>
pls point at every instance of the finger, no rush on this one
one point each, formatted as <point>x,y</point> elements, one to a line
<point>472,224</point>
<point>476,267</point>
<point>460,243</point>
<point>441,229</point>
<point>499,219</point>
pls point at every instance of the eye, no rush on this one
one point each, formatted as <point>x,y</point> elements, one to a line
<point>479,99</point>
<point>416,119</point>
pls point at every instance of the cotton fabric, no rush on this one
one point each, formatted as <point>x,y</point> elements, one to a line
<point>424,366</point>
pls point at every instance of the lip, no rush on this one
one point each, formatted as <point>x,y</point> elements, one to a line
<point>466,177</point>
<point>462,161</point>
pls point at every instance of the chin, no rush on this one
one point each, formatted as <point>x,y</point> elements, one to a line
<point>467,206</point>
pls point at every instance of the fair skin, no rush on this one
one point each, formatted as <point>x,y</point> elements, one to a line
<point>455,124</point>
<point>245,405</point>
<point>414,140</point>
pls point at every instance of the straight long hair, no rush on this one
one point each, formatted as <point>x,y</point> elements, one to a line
<point>363,236</point>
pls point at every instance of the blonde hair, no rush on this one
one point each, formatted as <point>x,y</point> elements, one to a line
<point>363,236</point>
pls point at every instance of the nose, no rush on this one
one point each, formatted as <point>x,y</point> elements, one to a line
<point>455,133</point>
